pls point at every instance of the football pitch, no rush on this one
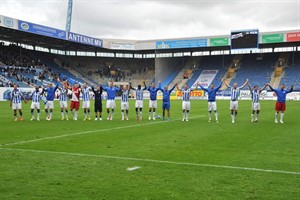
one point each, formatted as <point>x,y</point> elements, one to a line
<point>152,159</point>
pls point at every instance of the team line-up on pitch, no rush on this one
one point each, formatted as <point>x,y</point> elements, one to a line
<point>64,87</point>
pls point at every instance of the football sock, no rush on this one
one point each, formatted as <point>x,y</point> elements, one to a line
<point>281,116</point>
<point>216,115</point>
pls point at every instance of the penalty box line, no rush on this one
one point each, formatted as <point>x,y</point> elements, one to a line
<point>93,131</point>
<point>153,161</point>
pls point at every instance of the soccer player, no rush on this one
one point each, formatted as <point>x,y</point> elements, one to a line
<point>36,97</point>
<point>86,103</point>
<point>124,101</point>
<point>281,98</point>
<point>98,102</point>
<point>15,102</point>
<point>139,96</point>
<point>153,99</point>
<point>255,94</point>
<point>110,100</point>
<point>166,101</point>
<point>49,106</point>
<point>234,94</point>
<point>186,104</point>
<point>63,101</point>
<point>212,105</point>
<point>75,103</point>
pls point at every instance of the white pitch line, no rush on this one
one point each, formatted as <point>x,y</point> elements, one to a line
<point>87,132</point>
<point>155,161</point>
<point>133,168</point>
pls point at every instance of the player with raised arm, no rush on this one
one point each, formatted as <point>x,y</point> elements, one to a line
<point>166,100</point>
<point>280,103</point>
<point>139,96</point>
<point>16,102</point>
<point>153,99</point>
<point>124,101</point>
<point>255,95</point>
<point>36,97</point>
<point>186,104</point>
<point>86,103</point>
<point>234,94</point>
<point>212,105</point>
<point>110,99</point>
<point>49,106</point>
<point>98,102</point>
<point>75,103</point>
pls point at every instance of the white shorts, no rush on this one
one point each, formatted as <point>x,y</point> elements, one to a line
<point>139,103</point>
<point>255,106</point>
<point>186,105</point>
<point>16,106</point>
<point>234,105</point>
<point>49,105</point>
<point>110,104</point>
<point>35,105</point>
<point>124,105</point>
<point>63,104</point>
<point>212,106</point>
<point>152,104</point>
<point>86,104</point>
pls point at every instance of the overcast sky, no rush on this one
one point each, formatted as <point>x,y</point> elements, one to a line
<point>147,19</point>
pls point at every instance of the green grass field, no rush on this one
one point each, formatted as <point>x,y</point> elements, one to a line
<point>177,160</point>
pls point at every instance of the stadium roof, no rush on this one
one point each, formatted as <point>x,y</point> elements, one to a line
<point>18,31</point>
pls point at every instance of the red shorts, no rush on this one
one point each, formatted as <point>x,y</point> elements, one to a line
<point>280,106</point>
<point>74,105</point>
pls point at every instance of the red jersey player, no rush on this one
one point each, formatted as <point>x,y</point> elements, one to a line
<point>75,103</point>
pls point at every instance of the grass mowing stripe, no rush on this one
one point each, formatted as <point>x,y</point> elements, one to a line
<point>155,161</point>
<point>87,132</point>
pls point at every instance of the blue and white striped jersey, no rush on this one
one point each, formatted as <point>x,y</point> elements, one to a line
<point>86,93</point>
<point>125,95</point>
<point>255,96</point>
<point>36,96</point>
<point>63,94</point>
<point>139,94</point>
<point>186,94</point>
<point>16,96</point>
<point>234,93</point>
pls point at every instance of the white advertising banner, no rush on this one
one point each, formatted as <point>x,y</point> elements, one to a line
<point>206,77</point>
<point>5,92</point>
<point>8,22</point>
<point>122,45</point>
<point>246,94</point>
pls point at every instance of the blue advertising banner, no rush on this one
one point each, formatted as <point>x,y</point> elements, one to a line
<point>173,44</point>
<point>41,30</point>
<point>74,37</point>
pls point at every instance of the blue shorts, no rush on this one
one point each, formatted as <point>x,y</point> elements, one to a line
<point>166,105</point>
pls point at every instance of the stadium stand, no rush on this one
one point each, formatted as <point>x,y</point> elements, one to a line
<point>255,67</point>
<point>27,68</point>
<point>292,72</point>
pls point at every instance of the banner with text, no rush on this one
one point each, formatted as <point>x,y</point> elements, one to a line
<point>205,78</point>
<point>74,37</point>
<point>196,94</point>
<point>173,44</point>
<point>8,22</point>
<point>5,92</point>
<point>216,42</point>
<point>293,37</point>
<point>122,45</point>
<point>41,30</point>
<point>272,38</point>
